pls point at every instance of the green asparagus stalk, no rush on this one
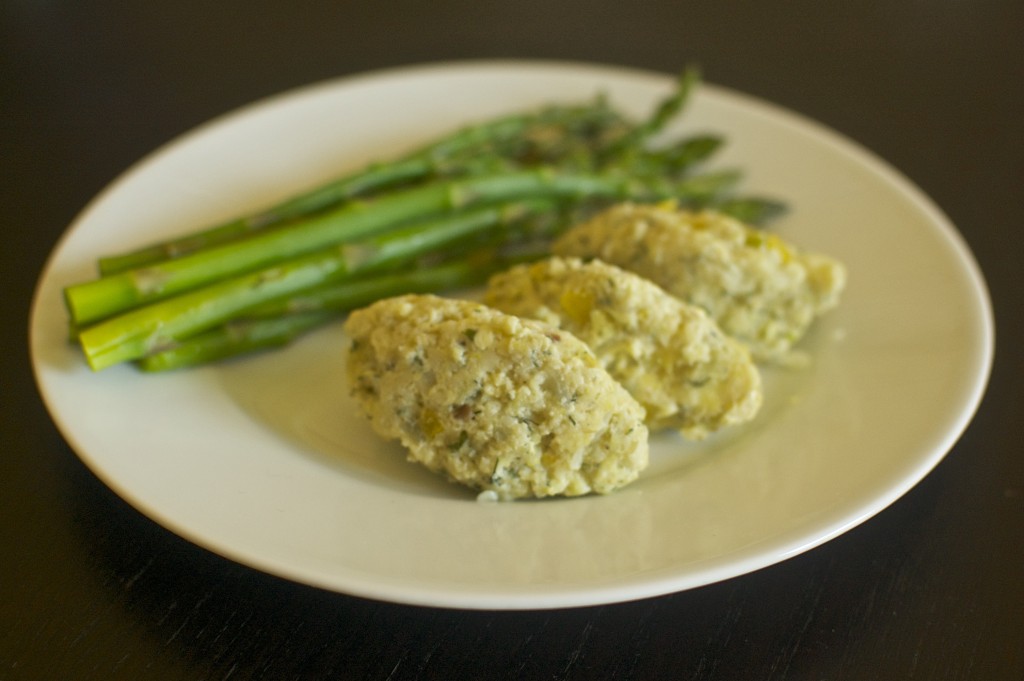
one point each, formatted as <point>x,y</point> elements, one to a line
<point>144,330</point>
<point>233,339</point>
<point>752,210</point>
<point>101,298</point>
<point>279,322</point>
<point>451,155</point>
<point>306,204</point>
<point>667,109</point>
<point>675,160</point>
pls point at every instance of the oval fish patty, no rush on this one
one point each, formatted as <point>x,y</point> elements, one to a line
<point>492,401</point>
<point>670,356</point>
<point>760,290</point>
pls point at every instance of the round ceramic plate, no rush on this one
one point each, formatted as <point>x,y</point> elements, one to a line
<point>266,461</point>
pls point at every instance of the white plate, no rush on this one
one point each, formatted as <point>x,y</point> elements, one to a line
<point>266,462</point>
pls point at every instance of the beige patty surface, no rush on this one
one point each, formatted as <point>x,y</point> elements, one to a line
<point>670,356</point>
<point>492,401</point>
<point>760,290</point>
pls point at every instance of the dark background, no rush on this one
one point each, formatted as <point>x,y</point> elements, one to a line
<point>929,589</point>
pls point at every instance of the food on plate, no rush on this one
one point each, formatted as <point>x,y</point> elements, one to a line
<point>671,356</point>
<point>493,188</point>
<point>759,289</point>
<point>508,406</point>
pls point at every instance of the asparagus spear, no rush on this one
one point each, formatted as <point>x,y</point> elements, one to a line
<point>676,160</point>
<point>666,110</point>
<point>752,210</point>
<point>280,321</point>
<point>148,329</point>
<point>95,300</point>
<point>235,338</point>
<point>451,155</point>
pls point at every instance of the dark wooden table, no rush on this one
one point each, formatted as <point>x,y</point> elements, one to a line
<point>932,588</point>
